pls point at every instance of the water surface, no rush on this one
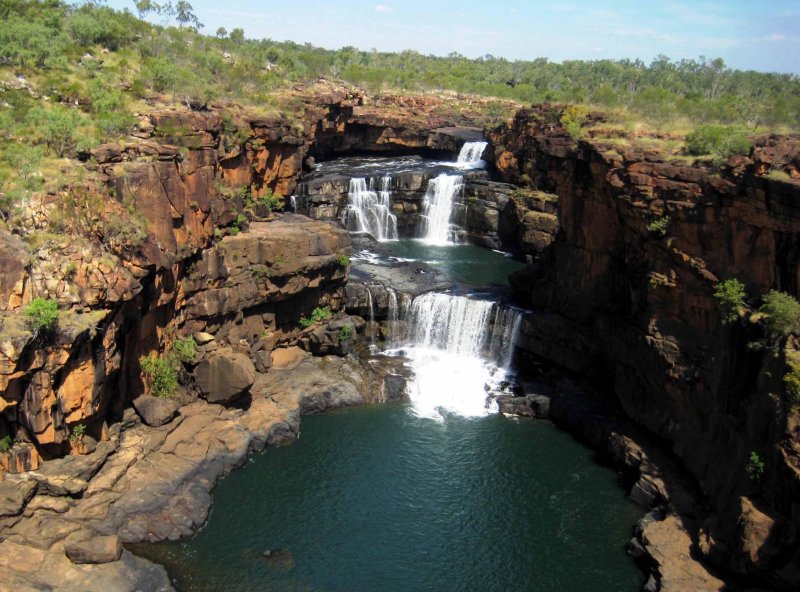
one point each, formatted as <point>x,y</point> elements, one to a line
<point>377,499</point>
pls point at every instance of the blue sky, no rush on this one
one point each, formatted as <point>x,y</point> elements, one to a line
<point>760,35</point>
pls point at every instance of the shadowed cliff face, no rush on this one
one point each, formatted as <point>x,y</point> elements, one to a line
<point>635,308</point>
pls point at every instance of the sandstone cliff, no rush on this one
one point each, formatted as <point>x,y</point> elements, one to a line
<point>635,309</point>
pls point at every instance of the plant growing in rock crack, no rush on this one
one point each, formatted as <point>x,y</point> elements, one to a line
<point>273,201</point>
<point>782,314</point>
<point>730,295</point>
<point>260,273</point>
<point>77,432</point>
<point>319,314</point>
<point>755,467</point>
<point>6,442</point>
<point>344,334</point>
<point>343,260</point>
<point>792,381</point>
<point>236,227</point>
<point>42,315</point>
<point>659,226</point>
<point>185,349</point>
<point>161,374</point>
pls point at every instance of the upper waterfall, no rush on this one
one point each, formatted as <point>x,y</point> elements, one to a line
<point>470,155</point>
<point>370,210</point>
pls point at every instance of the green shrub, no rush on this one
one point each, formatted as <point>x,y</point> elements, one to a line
<point>42,314</point>
<point>343,260</point>
<point>755,467</point>
<point>730,294</point>
<point>659,226</point>
<point>719,140</point>
<point>572,119</point>
<point>236,227</point>
<point>317,315</point>
<point>77,432</point>
<point>344,334</point>
<point>782,314</point>
<point>161,375</point>
<point>273,201</point>
<point>185,349</point>
<point>792,380</point>
<point>6,442</point>
<point>58,128</point>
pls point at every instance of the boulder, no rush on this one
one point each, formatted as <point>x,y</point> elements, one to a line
<point>155,411</point>
<point>14,495</point>
<point>224,376</point>
<point>97,549</point>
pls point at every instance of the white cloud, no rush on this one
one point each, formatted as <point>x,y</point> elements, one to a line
<point>383,8</point>
<point>776,37</point>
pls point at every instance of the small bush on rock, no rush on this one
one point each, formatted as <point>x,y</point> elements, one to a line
<point>6,442</point>
<point>42,314</point>
<point>719,140</point>
<point>755,467</point>
<point>792,380</point>
<point>161,375</point>
<point>782,314</point>
<point>185,349</point>
<point>659,226</point>
<point>318,314</point>
<point>730,294</point>
<point>78,432</point>
<point>343,260</point>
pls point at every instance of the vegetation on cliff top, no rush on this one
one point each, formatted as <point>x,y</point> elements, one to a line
<point>72,76</point>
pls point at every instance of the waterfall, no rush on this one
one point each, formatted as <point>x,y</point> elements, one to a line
<point>458,346</point>
<point>371,305</point>
<point>293,203</point>
<point>437,206</point>
<point>370,210</point>
<point>470,154</point>
<point>394,314</point>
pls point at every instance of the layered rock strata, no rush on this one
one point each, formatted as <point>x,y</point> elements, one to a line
<point>628,288</point>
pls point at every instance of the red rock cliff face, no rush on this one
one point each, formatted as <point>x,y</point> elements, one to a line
<point>146,255</point>
<point>636,309</point>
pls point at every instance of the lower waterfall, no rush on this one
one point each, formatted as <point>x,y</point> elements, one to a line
<point>457,346</point>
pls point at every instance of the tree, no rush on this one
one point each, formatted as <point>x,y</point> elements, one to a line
<point>185,16</point>
<point>222,33</point>
<point>57,128</point>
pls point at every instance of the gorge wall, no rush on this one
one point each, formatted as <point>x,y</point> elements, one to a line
<point>632,305</point>
<point>180,244</point>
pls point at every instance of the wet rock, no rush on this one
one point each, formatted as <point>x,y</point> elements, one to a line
<point>98,549</point>
<point>279,559</point>
<point>155,411</point>
<point>540,405</point>
<point>224,376</point>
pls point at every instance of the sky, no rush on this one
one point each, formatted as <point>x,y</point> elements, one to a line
<point>761,35</point>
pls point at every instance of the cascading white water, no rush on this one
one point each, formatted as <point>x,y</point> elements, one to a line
<point>457,346</point>
<point>470,154</point>
<point>293,202</point>
<point>370,210</point>
<point>437,207</point>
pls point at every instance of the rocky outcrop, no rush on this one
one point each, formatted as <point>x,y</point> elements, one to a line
<point>643,241</point>
<point>504,216</point>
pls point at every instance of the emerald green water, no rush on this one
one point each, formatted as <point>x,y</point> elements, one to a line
<point>377,499</point>
<point>468,264</point>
